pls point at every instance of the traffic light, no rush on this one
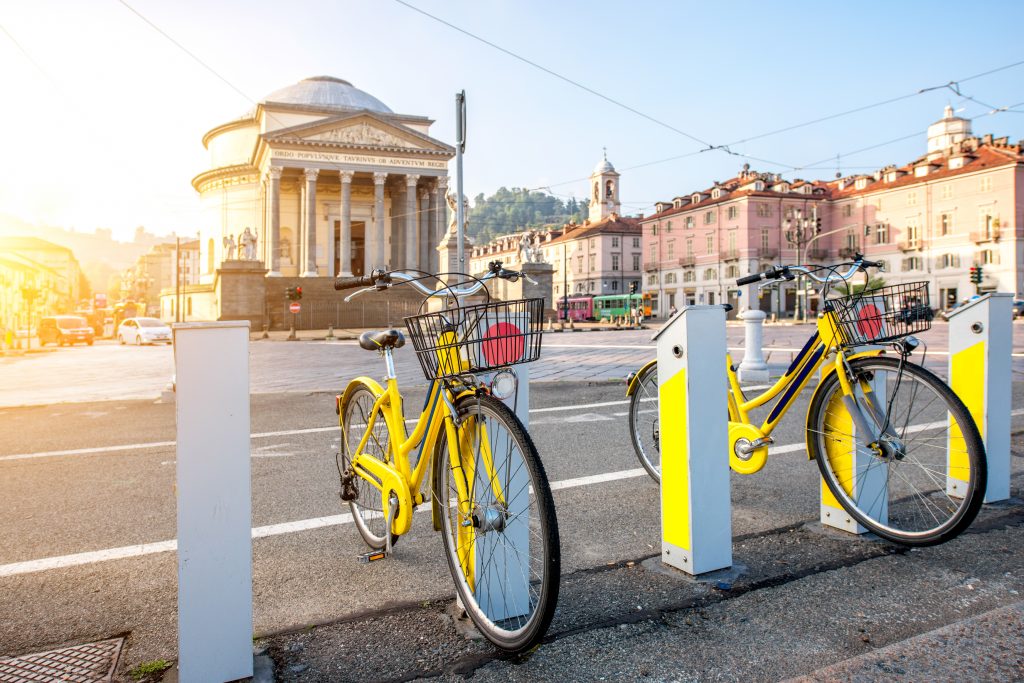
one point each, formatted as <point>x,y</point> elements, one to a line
<point>976,274</point>
<point>289,293</point>
<point>298,293</point>
<point>817,225</point>
<point>632,288</point>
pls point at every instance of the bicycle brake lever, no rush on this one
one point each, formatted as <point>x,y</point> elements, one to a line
<point>358,292</point>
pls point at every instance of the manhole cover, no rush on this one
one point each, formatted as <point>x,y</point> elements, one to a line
<point>87,663</point>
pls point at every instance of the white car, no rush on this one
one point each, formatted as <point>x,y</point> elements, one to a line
<point>140,331</point>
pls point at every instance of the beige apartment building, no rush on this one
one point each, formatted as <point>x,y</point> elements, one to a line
<point>930,220</point>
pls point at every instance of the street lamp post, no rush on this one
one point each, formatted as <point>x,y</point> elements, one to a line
<point>800,231</point>
<point>29,294</point>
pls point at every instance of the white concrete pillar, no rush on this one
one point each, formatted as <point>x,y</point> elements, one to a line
<point>980,373</point>
<point>375,257</point>
<point>412,248</point>
<point>696,523</point>
<point>274,173</point>
<point>753,368</point>
<point>309,208</point>
<point>423,230</point>
<point>345,239</point>
<point>211,364</point>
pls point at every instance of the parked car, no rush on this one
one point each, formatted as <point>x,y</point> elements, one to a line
<point>1018,308</point>
<point>140,331</point>
<point>64,329</point>
<point>913,312</point>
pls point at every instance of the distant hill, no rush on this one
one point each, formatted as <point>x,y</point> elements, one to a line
<point>518,209</point>
<point>98,253</point>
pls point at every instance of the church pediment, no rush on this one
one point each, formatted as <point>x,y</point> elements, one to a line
<point>361,131</point>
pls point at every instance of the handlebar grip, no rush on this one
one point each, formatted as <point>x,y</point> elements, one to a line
<point>871,264</point>
<point>353,282</point>
<point>750,279</point>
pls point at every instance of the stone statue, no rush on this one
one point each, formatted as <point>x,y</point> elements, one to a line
<point>229,248</point>
<point>450,198</point>
<point>525,253</point>
<point>247,245</point>
<point>538,252</point>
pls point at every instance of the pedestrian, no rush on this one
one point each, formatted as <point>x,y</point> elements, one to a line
<point>672,310</point>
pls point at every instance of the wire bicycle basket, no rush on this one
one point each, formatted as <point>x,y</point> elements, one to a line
<point>478,338</point>
<point>882,315</point>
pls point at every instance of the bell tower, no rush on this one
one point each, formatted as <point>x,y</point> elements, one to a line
<point>604,191</point>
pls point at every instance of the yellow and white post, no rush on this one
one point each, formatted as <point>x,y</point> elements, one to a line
<point>980,345</point>
<point>696,523</point>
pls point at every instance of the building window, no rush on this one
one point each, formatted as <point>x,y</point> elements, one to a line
<point>615,285</point>
<point>882,233</point>
<point>670,278</point>
<point>636,261</point>
<point>615,242</point>
<point>654,229</point>
<point>654,253</point>
<point>946,191</point>
<point>668,226</point>
<point>709,217</point>
<point>990,257</point>
<point>689,247</point>
<point>709,273</point>
<point>579,264</point>
<point>593,262</point>
<point>945,224</point>
<point>848,210</point>
<point>593,243</point>
<point>732,271</point>
<point>636,242</point>
<point>710,244</point>
<point>671,249</point>
<point>913,234</point>
<point>689,275</point>
<point>764,210</point>
<point>911,199</point>
<point>949,261</point>
<point>734,211</point>
<point>689,221</point>
<point>615,261</point>
<point>732,240</point>
<point>652,279</point>
<point>912,263</point>
<point>764,238</point>
<point>986,184</point>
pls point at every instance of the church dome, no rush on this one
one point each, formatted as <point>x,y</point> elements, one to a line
<point>603,166</point>
<point>329,92</point>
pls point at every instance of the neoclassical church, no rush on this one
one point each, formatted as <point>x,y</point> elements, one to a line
<point>328,180</point>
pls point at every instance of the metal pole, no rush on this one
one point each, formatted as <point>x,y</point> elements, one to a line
<point>460,146</point>
<point>177,280</point>
<point>565,280</point>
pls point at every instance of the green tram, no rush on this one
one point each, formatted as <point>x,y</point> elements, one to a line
<point>618,305</point>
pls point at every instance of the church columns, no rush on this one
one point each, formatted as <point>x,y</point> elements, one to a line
<point>345,239</point>
<point>274,243</point>
<point>411,243</point>
<point>431,237</point>
<point>423,230</point>
<point>440,220</point>
<point>310,222</point>
<point>375,257</point>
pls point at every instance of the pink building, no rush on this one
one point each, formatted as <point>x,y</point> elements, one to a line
<point>958,205</point>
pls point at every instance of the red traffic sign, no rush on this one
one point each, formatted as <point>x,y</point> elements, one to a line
<point>295,307</point>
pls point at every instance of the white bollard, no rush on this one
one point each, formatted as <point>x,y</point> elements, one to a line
<point>753,368</point>
<point>214,502</point>
<point>696,523</point>
<point>980,373</point>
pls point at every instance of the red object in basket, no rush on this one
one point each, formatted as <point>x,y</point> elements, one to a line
<point>503,344</point>
<point>869,321</point>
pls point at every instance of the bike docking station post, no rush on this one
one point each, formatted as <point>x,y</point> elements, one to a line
<point>214,501</point>
<point>696,514</point>
<point>980,373</point>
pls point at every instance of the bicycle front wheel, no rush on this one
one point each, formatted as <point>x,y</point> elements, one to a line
<point>367,503</point>
<point>499,527</point>
<point>923,481</point>
<point>643,421</point>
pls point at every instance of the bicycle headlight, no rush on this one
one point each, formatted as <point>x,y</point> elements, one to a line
<point>504,384</point>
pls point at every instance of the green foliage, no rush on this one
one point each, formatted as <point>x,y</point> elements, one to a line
<point>147,669</point>
<point>519,209</point>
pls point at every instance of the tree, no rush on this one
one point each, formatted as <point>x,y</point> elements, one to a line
<point>518,209</point>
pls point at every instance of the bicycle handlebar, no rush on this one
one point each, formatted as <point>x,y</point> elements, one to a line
<point>380,279</point>
<point>370,280</point>
<point>787,272</point>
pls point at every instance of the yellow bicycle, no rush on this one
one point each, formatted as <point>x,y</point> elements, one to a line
<point>897,449</point>
<point>488,492</point>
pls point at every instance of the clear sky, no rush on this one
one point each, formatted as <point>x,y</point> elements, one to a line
<point>103,116</point>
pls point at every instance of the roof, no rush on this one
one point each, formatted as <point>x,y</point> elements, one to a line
<point>328,92</point>
<point>613,224</point>
<point>29,243</point>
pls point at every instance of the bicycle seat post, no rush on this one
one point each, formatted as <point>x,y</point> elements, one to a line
<point>389,363</point>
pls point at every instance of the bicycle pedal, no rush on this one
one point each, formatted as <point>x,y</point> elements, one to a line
<point>372,556</point>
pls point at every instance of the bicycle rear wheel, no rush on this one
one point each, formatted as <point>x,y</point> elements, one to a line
<point>501,539</point>
<point>924,481</point>
<point>367,506</point>
<point>643,421</point>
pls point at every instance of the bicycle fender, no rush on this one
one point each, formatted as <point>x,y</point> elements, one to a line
<point>828,371</point>
<point>631,381</point>
<point>374,386</point>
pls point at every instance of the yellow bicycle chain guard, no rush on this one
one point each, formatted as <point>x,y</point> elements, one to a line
<point>756,459</point>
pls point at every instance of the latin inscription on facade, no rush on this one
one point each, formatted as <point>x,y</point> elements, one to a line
<point>358,159</point>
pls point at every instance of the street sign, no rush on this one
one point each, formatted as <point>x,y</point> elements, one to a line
<point>295,307</point>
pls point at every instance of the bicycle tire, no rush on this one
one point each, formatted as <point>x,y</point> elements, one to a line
<point>532,586</point>
<point>643,422</point>
<point>367,509</point>
<point>914,506</point>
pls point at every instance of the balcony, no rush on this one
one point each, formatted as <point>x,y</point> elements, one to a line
<point>848,252</point>
<point>686,261</point>
<point>816,254</point>
<point>730,254</point>
<point>651,267</point>
<point>910,245</point>
<point>767,254</point>
<point>990,234</point>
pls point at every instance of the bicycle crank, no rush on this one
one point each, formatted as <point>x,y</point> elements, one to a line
<point>748,448</point>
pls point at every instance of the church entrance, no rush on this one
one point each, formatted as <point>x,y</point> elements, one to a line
<point>358,245</point>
